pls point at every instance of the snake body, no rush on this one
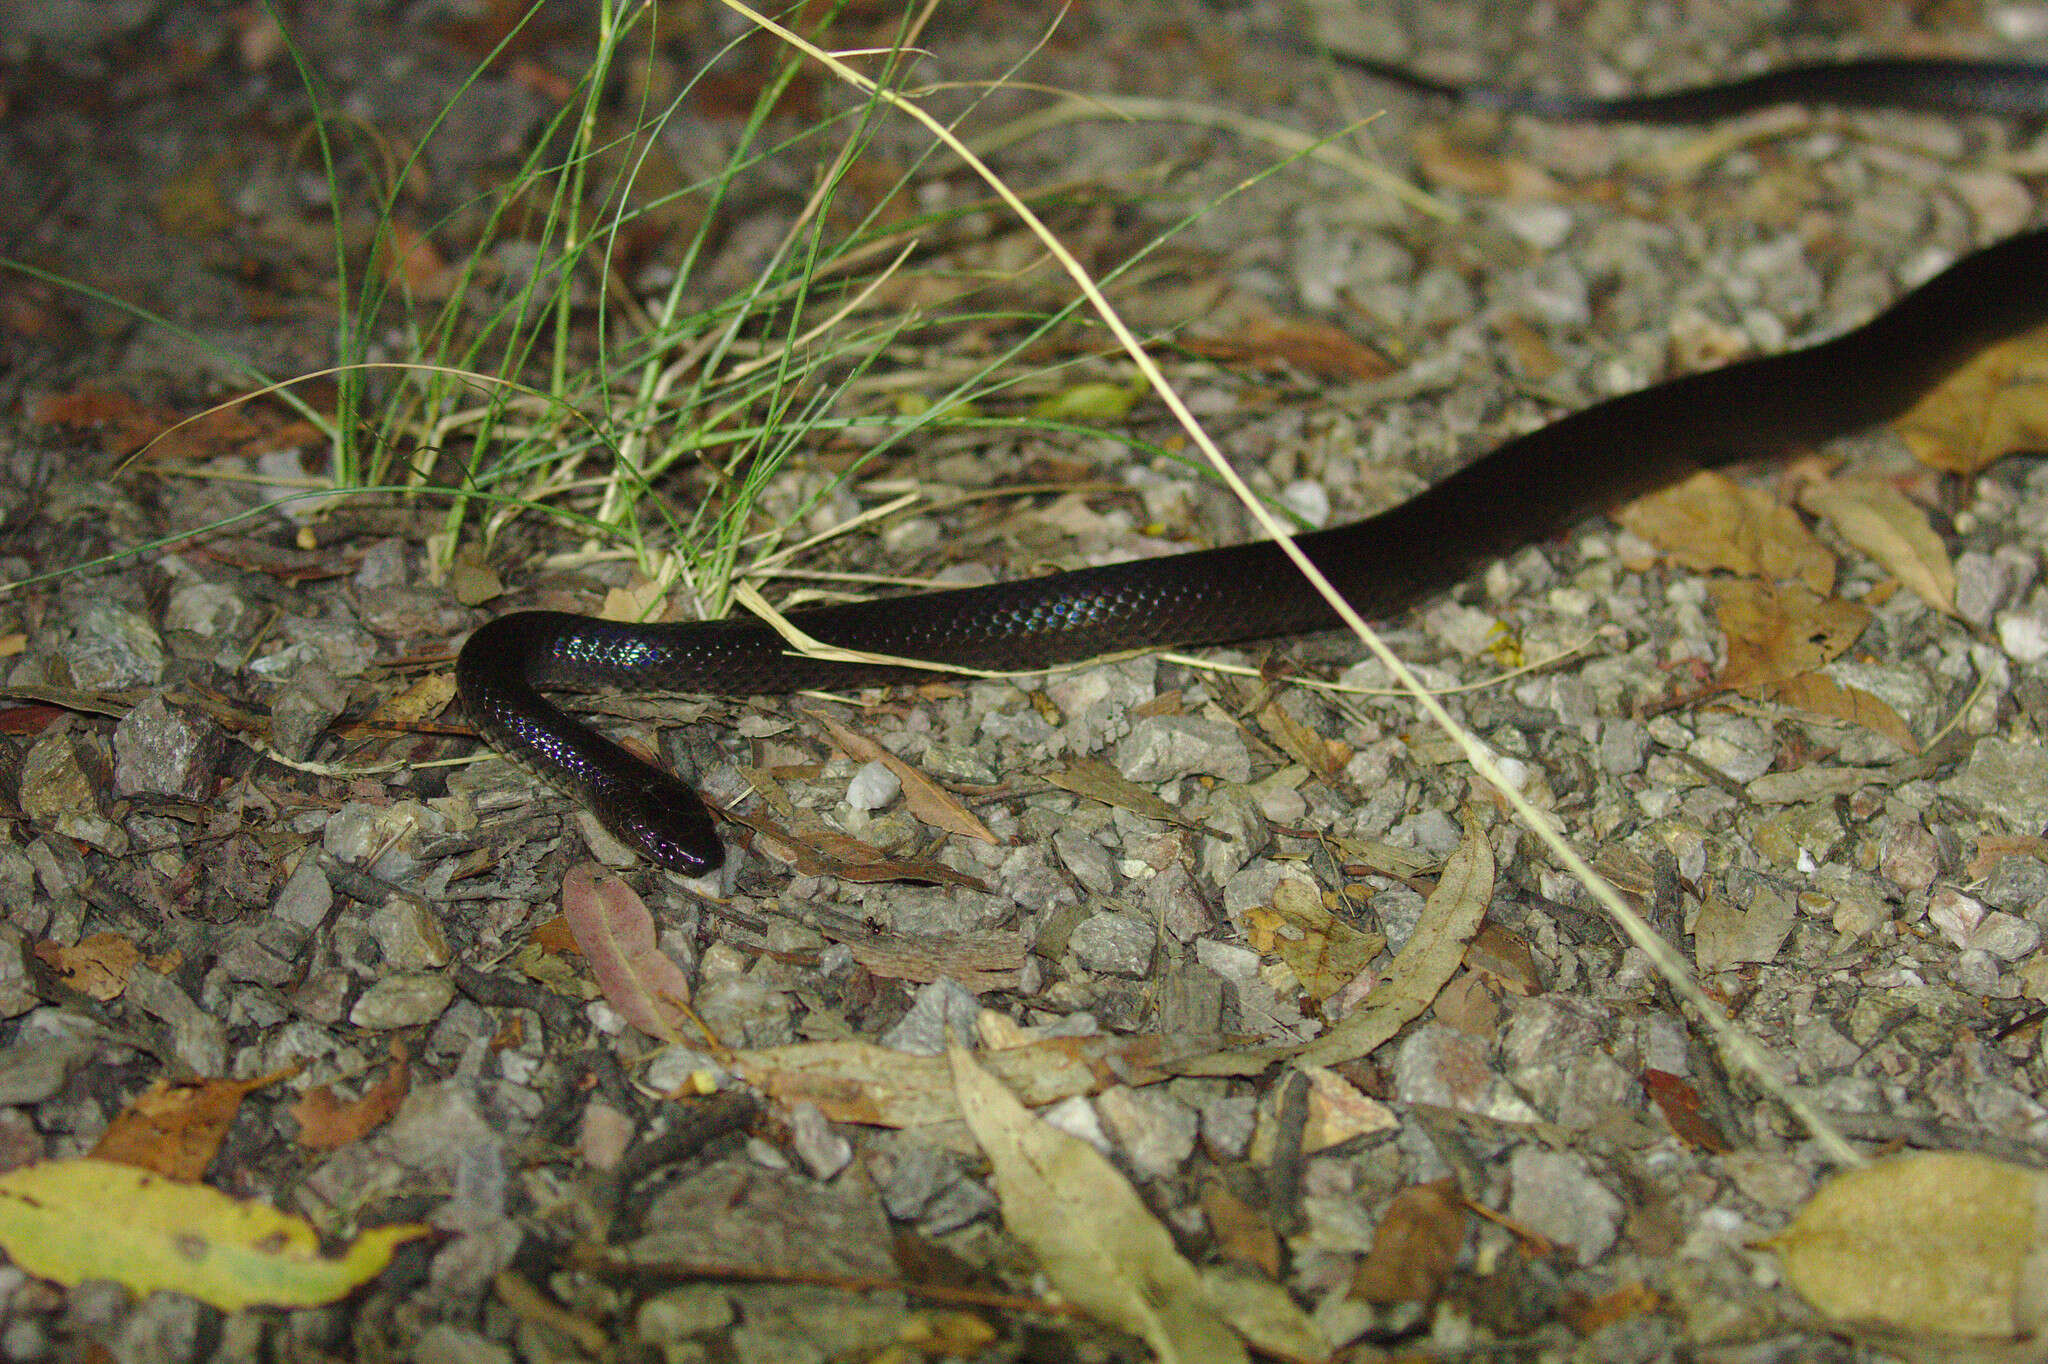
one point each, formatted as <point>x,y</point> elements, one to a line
<point>1926,84</point>
<point>1525,489</point>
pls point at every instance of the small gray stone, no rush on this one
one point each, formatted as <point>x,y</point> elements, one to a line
<point>34,1069</point>
<point>402,1001</point>
<point>163,751</point>
<point>197,1038</point>
<point>306,898</point>
<point>873,786</point>
<point>1175,899</point>
<point>1113,943</point>
<point>2017,885</point>
<point>1227,1125</point>
<point>1087,859</point>
<point>942,1011</point>
<point>2006,779</point>
<point>737,1213</point>
<point>301,712</point>
<point>745,1011</point>
<point>409,934</point>
<point>823,1151</point>
<point>444,1343</point>
<point>1624,745</point>
<point>1155,1131</point>
<point>1556,1196</point>
<point>680,1313</point>
<point>113,649</point>
<point>1164,747</point>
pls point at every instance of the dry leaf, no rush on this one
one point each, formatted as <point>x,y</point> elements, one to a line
<point>326,1123</point>
<point>1242,1232</point>
<point>1446,161</point>
<point>1324,952</point>
<point>881,1087</point>
<point>1996,405</point>
<point>1093,1237</point>
<point>1425,963</point>
<point>1725,934</point>
<point>176,1128</point>
<point>1888,526</point>
<point>1097,780</point>
<point>1315,348</point>
<point>990,960</point>
<point>928,800</point>
<point>97,965</point>
<point>1324,757</point>
<point>423,700</point>
<point>1777,633</point>
<point>1680,1104</point>
<point>615,933</point>
<point>1819,694</point>
<point>1415,1246</point>
<point>1711,522</point>
<point>1935,1244</point>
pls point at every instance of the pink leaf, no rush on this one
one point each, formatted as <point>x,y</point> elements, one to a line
<point>615,932</point>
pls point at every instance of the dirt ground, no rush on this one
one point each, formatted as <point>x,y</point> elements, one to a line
<point>260,936</point>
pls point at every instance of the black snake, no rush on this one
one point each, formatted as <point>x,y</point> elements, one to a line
<point>1527,488</point>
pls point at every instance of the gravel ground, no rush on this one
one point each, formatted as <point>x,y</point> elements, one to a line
<point>1183,865</point>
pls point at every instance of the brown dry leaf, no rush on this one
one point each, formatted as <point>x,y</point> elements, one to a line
<point>423,700</point>
<point>1587,1315</point>
<point>1315,348</point>
<point>926,799</point>
<point>1777,633</point>
<point>1726,934</point>
<point>1934,1244</point>
<point>1426,962</point>
<point>815,850</point>
<point>1091,1234</point>
<point>1324,952</point>
<point>408,258</point>
<point>1242,1232</point>
<point>1711,522</point>
<point>1681,1106</point>
<point>327,1123</point>
<point>1819,694</point>
<point>1097,780</point>
<point>1892,529</point>
<point>615,933</point>
<point>176,1128</point>
<point>880,1087</point>
<point>554,937</point>
<point>991,960</point>
<point>1415,1246</point>
<point>98,965</point>
<point>1324,757</point>
<point>1996,405</point>
<point>639,600</point>
<point>1446,161</point>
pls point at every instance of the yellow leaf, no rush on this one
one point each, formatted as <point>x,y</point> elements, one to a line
<point>1094,401</point>
<point>73,1220</point>
<point>1094,1237</point>
<point>1996,405</point>
<point>1885,524</point>
<point>1939,1243</point>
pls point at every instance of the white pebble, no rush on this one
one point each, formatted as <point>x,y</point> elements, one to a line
<point>873,787</point>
